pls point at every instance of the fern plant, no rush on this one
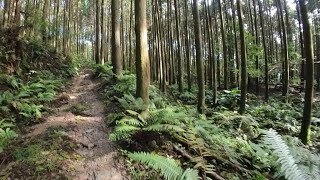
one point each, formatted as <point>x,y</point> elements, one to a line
<point>163,120</point>
<point>30,111</point>
<point>128,101</point>
<point>103,70</point>
<point>126,84</point>
<point>167,167</point>
<point>12,81</point>
<point>6,99</point>
<point>288,165</point>
<point>6,133</point>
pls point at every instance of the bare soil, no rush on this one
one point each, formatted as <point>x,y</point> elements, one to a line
<point>100,160</point>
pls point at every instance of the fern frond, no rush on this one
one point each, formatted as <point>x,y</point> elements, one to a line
<point>288,166</point>
<point>123,132</point>
<point>167,167</point>
<point>204,134</point>
<point>190,174</point>
<point>129,121</point>
<point>163,128</point>
<point>123,102</point>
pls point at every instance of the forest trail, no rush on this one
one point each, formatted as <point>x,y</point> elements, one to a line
<point>88,129</point>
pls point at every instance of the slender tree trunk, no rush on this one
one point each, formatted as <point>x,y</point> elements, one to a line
<point>224,46</point>
<point>130,39</point>
<point>64,37</point>
<point>257,41</point>
<point>235,43</point>
<point>285,52</point>
<point>122,31</point>
<point>244,77</point>
<point>318,50</point>
<point>199,61</point>
<point>142,57</point>
<point>302,51</point>
<point>57,31</point>
<point>180,63</point>
<point>115,38</point>
<point>266,68</point>
<point>218,56</point>
<point>102,30</point>
<point>213,67</point>
<point>187,45</point>
<point>17,18</point>
<point>97,41</point>
<point>308,43</point>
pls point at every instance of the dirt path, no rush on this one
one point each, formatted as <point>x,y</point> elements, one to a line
<point>99,156</point>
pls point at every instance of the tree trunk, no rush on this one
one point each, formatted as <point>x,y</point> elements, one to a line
<point>142,57</point>
<point>224,46</point>
<point>115,38</point>
<point>180,63</point>
<point>308,43</point>
<point>187,46</point>
<point>244,77</point>
<point>97,41</point>
<point>266,68</point>
<point>285,52</point>
<point>199,61</point>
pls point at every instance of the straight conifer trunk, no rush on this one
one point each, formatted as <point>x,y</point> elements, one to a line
<point>198,43</point>
<point>142,57</point>
<point>244,77</point>
<point>308,43</point>
<point>115,38</point>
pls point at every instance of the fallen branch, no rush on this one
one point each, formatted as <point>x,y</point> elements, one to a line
<point>189,157</point>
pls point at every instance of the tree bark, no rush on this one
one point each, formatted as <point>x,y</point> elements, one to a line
<point>308,43</point>
<point>115,38</point>
<point>224,46</point>
<point>199,61</point>
<point>265,50</point>
<point>142,56</point>
<point>180,63</point>
<point>97,40</point>
<point>244,77</point>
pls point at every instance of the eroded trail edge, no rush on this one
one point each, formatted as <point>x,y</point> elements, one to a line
<point>99,159</point>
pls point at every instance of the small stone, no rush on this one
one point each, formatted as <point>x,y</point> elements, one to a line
<point>90,146</point>
<point>89,130</point>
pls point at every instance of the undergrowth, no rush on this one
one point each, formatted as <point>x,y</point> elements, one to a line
<point>28,89</point>
<point>40,158</point>
<point>221,144</point>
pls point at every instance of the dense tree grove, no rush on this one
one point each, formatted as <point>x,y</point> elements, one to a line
<point>216,55</point>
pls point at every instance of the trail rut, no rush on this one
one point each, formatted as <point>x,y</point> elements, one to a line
<point>99,155</point>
